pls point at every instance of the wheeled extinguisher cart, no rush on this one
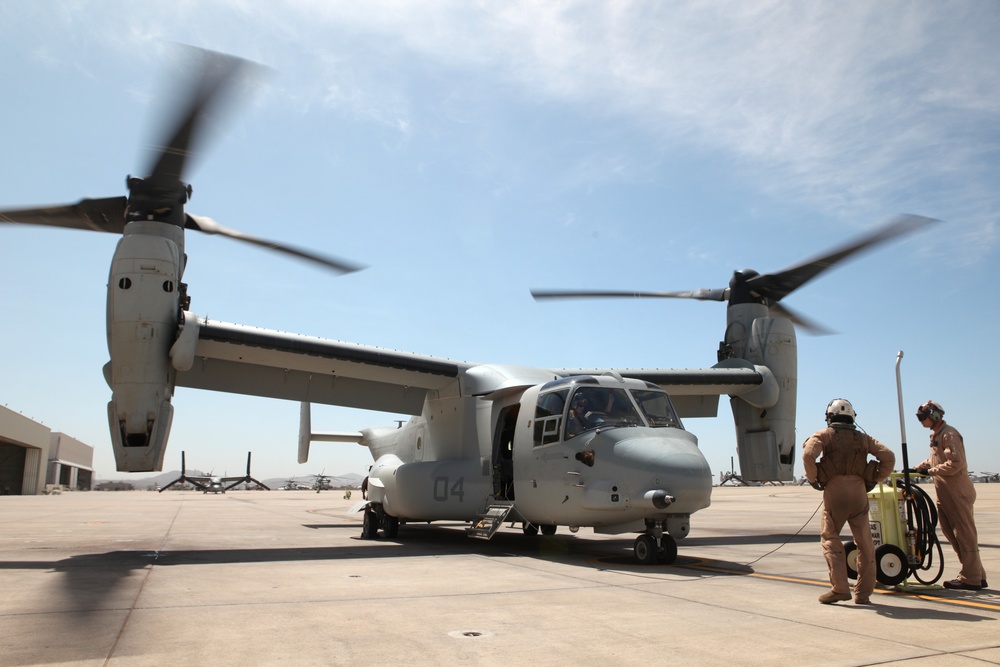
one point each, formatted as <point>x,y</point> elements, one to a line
<point>904,525</point>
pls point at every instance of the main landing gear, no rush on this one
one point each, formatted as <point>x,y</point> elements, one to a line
<point>376,519</point>
<point>655,546</point>
<point>531,529</point>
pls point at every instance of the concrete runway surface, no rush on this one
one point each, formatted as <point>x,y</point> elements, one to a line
<point>282,577</point>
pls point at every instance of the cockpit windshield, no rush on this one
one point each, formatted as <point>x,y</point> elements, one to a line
<point>570,406</point>
<point>600,407</point>
<point>656,406</point>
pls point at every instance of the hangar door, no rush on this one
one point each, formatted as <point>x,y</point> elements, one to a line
<point>12,460</point>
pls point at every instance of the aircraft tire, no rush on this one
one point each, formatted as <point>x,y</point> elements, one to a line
<point>391,528</point>
<point>645,549</point>
<point>548,529</point>
<point>667,555</point>
<point>529,529</point>
<point>369,529</point>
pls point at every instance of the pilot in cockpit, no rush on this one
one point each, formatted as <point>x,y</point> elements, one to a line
<point>580,416</point>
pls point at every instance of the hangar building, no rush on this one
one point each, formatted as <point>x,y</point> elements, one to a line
<point>34,459</point>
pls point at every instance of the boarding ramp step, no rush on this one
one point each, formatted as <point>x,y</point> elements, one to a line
<point>489,522</point>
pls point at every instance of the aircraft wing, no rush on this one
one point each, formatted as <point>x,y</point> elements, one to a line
<point>229,480</point>
<point>246,360</point>
<point>240,359</point>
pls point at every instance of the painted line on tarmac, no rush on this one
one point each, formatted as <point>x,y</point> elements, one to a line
<point>708,565</point>
<point>991,606</point>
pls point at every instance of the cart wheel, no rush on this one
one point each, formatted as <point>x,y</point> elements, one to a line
<point>851,551</point>
<point>891,567</point>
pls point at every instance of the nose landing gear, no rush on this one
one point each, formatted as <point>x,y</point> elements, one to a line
<point>655,546</point>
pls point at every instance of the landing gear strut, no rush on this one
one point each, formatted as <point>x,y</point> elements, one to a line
<point>655,545</point>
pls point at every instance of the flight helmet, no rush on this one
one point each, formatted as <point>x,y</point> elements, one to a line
<point>840,411</point>
<point>930,410</point>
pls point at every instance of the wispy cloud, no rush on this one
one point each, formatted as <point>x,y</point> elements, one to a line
<point>853,106</point>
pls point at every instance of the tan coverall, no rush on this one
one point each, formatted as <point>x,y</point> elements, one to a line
<point>845,499</point>
<point>956,495</point>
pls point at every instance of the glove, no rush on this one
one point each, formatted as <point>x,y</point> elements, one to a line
<point>816,485</point>
<point>870,485</point>
<point>923,471</point>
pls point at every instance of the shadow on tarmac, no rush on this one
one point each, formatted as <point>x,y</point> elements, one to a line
<point>91,579</point>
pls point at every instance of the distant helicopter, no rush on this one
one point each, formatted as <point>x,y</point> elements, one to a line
<point>487,442</point>
<point>322,482</point>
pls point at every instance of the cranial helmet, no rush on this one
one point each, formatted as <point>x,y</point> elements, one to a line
<point>840,410</point>
<point>930,410</point>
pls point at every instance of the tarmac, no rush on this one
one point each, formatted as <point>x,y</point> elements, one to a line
<point>282,577</point>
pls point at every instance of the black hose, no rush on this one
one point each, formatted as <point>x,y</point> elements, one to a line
<point>923,516</point>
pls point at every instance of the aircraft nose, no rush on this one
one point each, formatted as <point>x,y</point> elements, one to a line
<point>670,464</point>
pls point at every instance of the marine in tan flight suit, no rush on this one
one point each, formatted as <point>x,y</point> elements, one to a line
<point>956,495</point>
<point>845,476</point>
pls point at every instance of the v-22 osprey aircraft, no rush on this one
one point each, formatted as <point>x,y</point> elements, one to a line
<point>212,484</point>
<point>487,443</point>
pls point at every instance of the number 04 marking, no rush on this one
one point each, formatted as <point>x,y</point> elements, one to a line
<point>443,489</point>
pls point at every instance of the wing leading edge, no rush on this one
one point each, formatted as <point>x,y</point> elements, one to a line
<point>246,360</point>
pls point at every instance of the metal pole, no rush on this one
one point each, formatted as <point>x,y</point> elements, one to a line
<point>911,533</point>
<point>902,421</point>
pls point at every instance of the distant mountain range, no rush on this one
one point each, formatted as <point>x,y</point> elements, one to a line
<point>350,480</point>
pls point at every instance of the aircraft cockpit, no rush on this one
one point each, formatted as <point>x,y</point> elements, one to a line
<point>572,406</point>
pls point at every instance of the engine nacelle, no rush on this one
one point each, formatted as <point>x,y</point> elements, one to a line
<point>143,313</point>
<point>765,434</point>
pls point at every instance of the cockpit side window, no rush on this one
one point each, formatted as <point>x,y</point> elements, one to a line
<point>600,407</point>
<point>657,407</point>
<point>549,415</point>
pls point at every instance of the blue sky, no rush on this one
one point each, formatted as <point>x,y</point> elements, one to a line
<point>468,152</point>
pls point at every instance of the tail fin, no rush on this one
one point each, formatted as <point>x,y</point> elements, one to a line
<point>306,435</point>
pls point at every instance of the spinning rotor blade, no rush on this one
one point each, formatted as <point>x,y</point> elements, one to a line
<point>209,226</point>
<point>748,286</point>
<point>700,294</point>
<point>99,215</point>
<point>809,325</point>
<point>218,73</point>
<point>779,285</point>
<point>160,196</point>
